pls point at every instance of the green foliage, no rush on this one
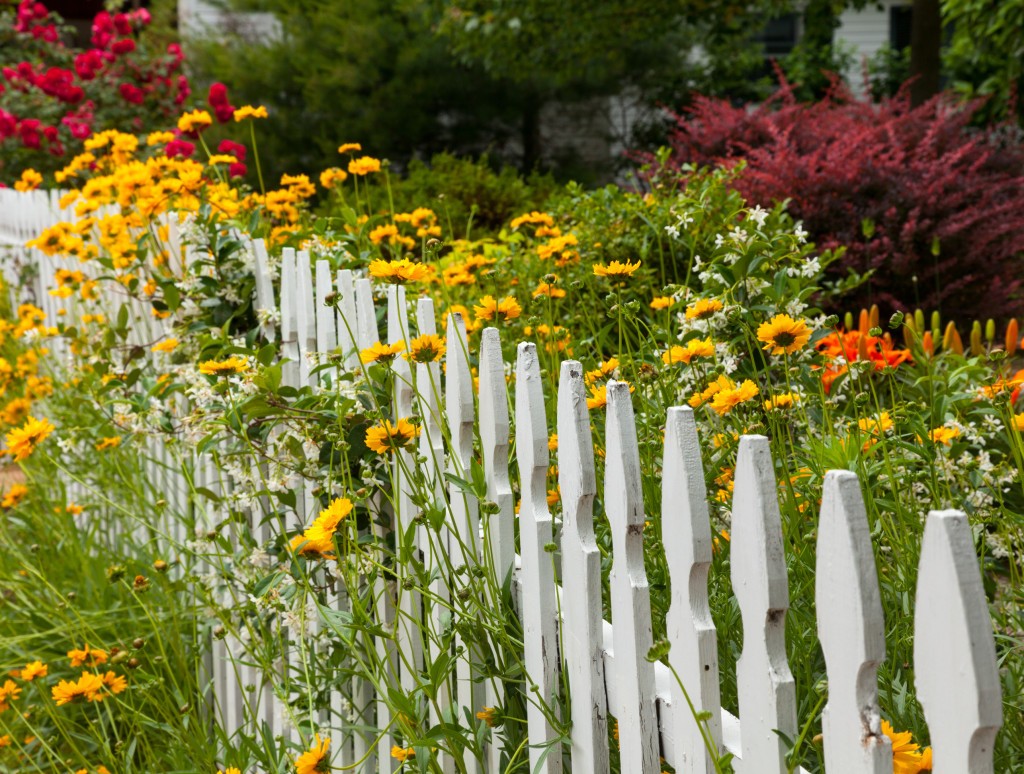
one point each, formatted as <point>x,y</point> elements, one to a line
<point>357,70</point>
<point>469,195</point>
<point>985,56</point>
<point>888,70</point>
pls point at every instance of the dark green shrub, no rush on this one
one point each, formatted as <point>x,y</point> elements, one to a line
<point>469,195</point>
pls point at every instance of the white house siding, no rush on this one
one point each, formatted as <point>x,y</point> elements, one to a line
<point>198,18</point>
<point>864,32</point>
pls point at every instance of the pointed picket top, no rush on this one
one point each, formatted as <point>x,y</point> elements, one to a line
<point>630,594</point>
<point>347,323</point>
<point>954,652</point>
<point>686,536</point>
<point>326,327</point>
<point>495,431</point>
<point>264,289</point>
<point>366,317</point>
<point>851,629</point>
<point>540,629</point>
<point>306,315</point>
<point>582,636</point>
<point>767,693</point>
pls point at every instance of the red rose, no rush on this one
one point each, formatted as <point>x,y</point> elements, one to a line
<point>237,170</point>
<point>132,94</point>
<point>218,94</point>
<point>232,148</point>
<point>123,46</point>
<point>122,25</point>
<point>181,148</point>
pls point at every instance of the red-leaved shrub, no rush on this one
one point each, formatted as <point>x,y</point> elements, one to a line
<point>934,207</point>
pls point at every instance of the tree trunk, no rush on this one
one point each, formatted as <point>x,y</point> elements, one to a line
<point>531,133</point>
<point>925,50</point>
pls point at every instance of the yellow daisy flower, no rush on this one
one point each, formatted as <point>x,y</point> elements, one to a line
<point>782,335</point>
<point>616,269</point>
<point>364,165</point>
<point>693,348</point>
<point>22,441</point>
<point>703,308</point>
<point>381,353</point>
<point>248,111</point>
<point>233,365</point>
<point>427,348</point>
<point>316,759</point>
<point>385,437</point>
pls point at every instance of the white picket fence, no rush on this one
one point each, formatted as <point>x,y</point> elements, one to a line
<point>605,662</point>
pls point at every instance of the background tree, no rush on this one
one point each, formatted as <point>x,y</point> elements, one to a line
<point>362,70</point>
<point>985,55</point>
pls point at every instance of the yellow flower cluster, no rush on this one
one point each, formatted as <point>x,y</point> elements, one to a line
<point>724,394</point>
<point>694,348</point>
<point>399,272</point>
<point>490,308</point>
<point>30,180</point>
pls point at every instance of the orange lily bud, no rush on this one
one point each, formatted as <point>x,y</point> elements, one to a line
<point>1012,332</point>
<point>951,339</point>
<point>976,346</point>
<point>928,343</point>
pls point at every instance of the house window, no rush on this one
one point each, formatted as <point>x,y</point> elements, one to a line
<point>899,27</point>
<point>778,36</point>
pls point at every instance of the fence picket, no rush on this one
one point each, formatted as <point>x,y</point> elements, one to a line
<point>495,432</point>
<point>581,576</point>
<point>307,317</point>
<point>499,539</point>
<point>409,644</point>
<point>326,326</point>
<point>630,594</point>
<point>434,544</point>
<point>289,320</point>
<point>366,317</point>
<point>540,630</point>
<point>464,536</point>
<point>347,319</point>
<point>767,693</point>
<point>954,655</point>
<point>851,630</point>
<point>264,290</point>
<point>686,535</point>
